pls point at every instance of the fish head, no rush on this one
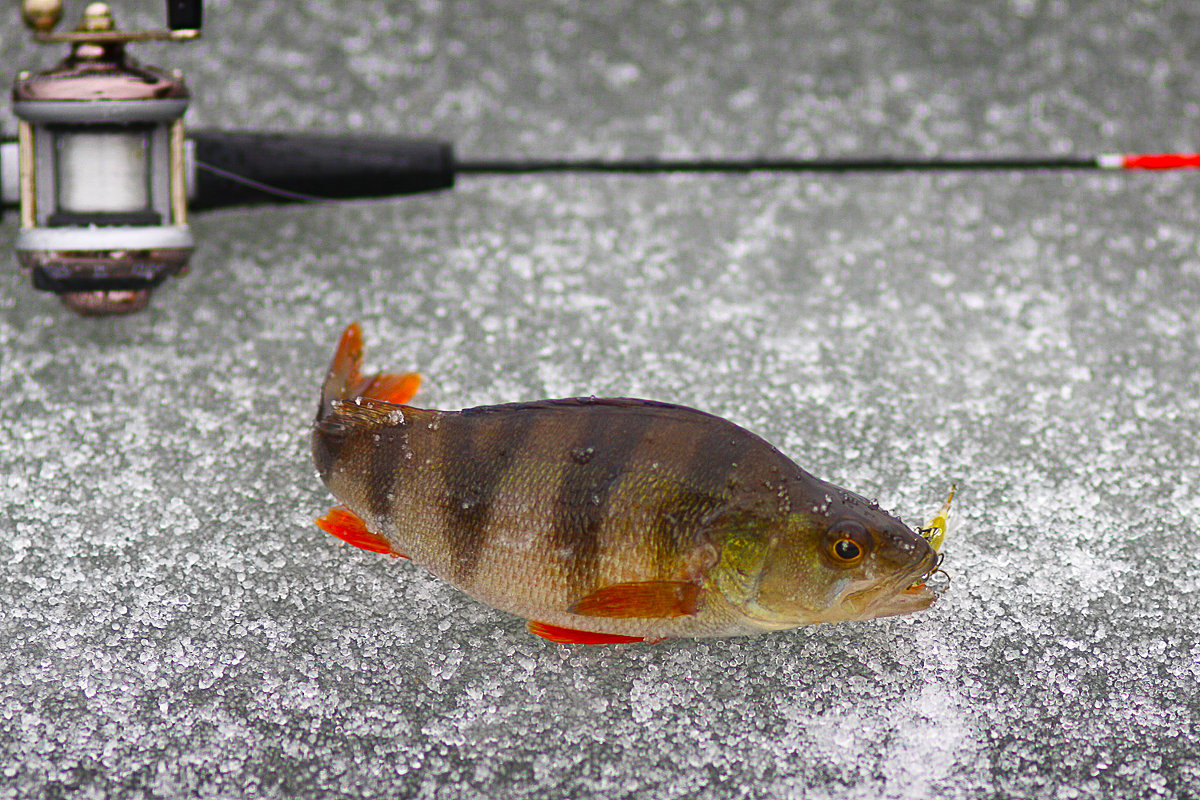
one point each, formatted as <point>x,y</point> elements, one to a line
<point>851,561</point>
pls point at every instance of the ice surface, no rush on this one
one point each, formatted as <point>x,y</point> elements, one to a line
<point>174,625</point>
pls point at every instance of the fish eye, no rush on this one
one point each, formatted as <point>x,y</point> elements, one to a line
<point>847,543</point>
<point>846,549</point>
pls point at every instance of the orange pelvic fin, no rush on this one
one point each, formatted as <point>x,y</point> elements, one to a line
<point>571,636</point>
<point>345,382</point>
<point>349,527</point>
<point>648,599</point>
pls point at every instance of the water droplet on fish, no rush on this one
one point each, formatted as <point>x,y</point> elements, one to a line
<point>583,455</point>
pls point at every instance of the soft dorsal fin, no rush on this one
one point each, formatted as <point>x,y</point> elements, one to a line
<point>571,636</point>
<point>350,528</point>
<point>649,599</point>
<point>365,412</point>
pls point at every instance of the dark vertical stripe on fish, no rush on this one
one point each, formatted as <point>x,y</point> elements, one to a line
<point>476,451</point>
<point>599,457</point>
<point>330,437</point>
<point>384,458</point>
<point>706,480</point>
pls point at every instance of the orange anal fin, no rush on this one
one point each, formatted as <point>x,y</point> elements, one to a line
<point>349,527</point>
<point>649,599</point>
<point>392,388</point>
<point>571,636</point>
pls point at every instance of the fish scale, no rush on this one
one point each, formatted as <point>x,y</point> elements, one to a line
<point>610,517</point>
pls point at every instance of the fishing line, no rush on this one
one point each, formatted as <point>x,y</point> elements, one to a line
<point>283,194</point>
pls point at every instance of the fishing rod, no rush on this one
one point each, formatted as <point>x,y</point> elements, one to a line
<point>1157,161</point>
<point>241,168</point>
<point>105,175</point>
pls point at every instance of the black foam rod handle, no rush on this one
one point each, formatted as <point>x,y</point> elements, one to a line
<point>184,15</point>
<point>230,164</point>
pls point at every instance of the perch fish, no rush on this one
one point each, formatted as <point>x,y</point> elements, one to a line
<point>606,520</point>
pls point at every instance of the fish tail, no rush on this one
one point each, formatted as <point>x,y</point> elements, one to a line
<point>344,380</point>
<point>343,370</point>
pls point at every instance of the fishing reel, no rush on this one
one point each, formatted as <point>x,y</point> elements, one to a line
<point>101,162</point>
<point>105,176</point>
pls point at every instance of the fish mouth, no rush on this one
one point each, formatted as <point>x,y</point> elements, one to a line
<point>890,600</point>
<point>907,593</point>
<point>917,597</point>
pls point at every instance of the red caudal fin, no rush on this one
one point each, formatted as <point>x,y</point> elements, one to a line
<point>345,382</point>
<point>646,600</point>
<point>393,388</point>
<point>343,370</point>
<point>349,527</point>
<point>571,636</point>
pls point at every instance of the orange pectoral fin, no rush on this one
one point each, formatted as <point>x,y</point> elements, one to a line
<point>649,599</point>
<point>571,636</point>
<point>349,527</point>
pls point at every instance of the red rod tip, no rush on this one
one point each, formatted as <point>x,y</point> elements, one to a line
<point>1161,161</point>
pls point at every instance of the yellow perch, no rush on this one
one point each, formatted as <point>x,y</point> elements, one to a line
<point>607,520</point>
